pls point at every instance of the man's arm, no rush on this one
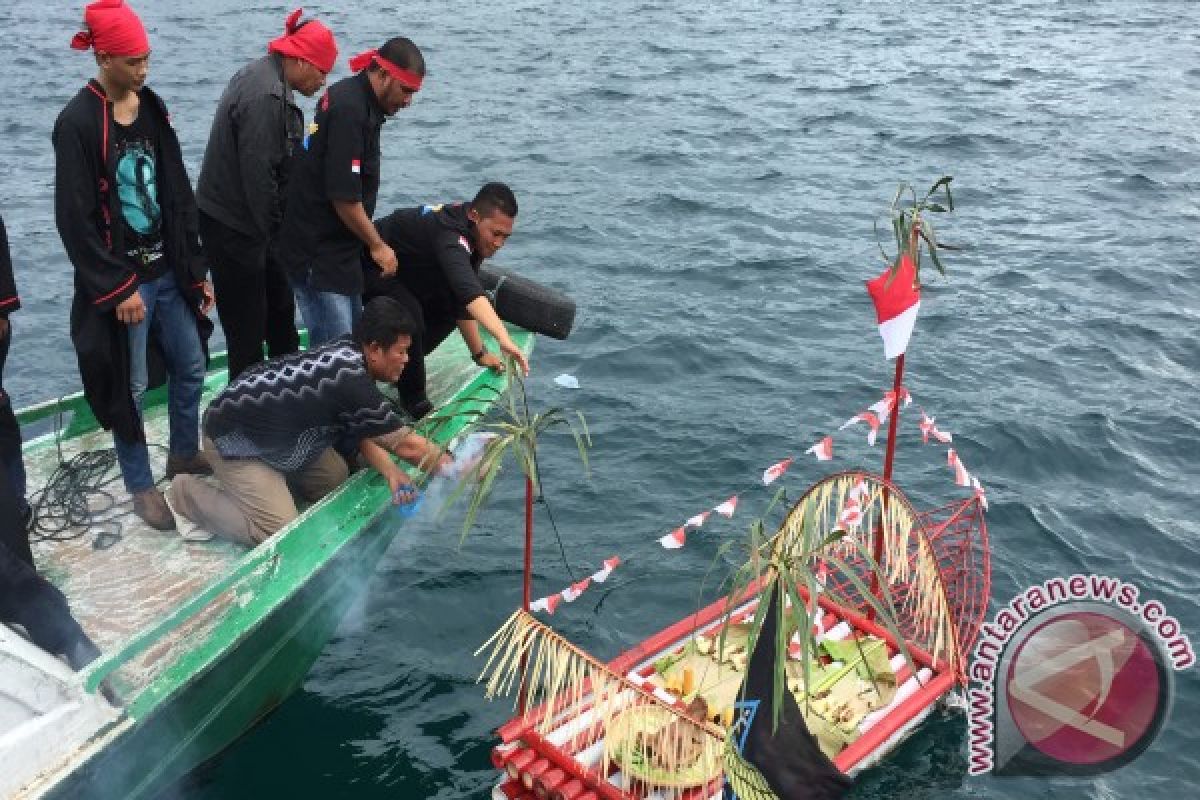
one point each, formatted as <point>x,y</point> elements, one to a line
<point>416,450</point>
<point>399,483</point>
<point>354,216</point>
<point>481,309</point>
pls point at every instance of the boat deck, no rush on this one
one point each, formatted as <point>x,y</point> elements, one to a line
<point>121,585</point>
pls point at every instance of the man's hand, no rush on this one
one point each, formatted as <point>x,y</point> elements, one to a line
<point>492,362</point>
<point>131,310</point>
<point>512,350</point>
<point>403,490</point>
<point>209,299</point>
<point>385,257</point>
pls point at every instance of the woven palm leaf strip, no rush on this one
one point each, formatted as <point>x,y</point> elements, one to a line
<point>565,685</point>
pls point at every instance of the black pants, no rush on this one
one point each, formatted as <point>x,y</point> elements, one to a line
<point>12,465</point>
<point>254,299</point>
<point>29,600</point>
<point>433,325</point>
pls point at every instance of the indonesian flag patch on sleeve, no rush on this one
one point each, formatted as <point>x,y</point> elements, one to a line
<point>356,166</point>
<point>465,244</point>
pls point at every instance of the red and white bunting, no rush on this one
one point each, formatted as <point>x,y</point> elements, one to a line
<point>727,508</point>
<point>928,428</point>
<point>697,521</point>
<point>571,593</point>
<point>547,604</point>
<point>979,492</point>
<point>851,516</point>
<point>823,449</point>
<point>961,476</point>
<point>675,539</point>
<point>859,490</point>
<point>883,408</point>
<point>601,575</point>
<point>868,417</point>
<point>775,471</point>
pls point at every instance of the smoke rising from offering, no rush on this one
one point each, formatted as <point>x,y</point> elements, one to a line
<point>429,505</point>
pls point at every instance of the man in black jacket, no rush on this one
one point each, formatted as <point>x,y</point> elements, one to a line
<point>125,211</point>
<point>332,193</point>
<point>439,250</point>
<point>11,459</point>
<point>256,133</point>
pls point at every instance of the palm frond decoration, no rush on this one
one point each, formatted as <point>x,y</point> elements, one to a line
<point>901,588</point>
<point>911,225</point>
<point>577,702</point>
<point>515,433</point>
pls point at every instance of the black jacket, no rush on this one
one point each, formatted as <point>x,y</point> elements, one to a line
<point>255,133</point>
<point>9,302</point>
<point>438,261</point>
<point>87,213</point>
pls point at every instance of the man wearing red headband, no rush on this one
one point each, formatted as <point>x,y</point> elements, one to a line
<point>125,211</point>
<point>255,135</point>
<point>331,196</point>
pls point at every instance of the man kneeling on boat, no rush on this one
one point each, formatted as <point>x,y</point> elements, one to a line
<point>277,424</point>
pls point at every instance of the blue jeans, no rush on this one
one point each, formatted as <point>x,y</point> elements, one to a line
<point>327,315</point>
<point>175,330</point>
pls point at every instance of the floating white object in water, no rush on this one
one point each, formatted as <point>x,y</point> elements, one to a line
<point>567,381</point>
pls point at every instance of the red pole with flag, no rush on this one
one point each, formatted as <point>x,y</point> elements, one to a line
<point>526,579</point>
<point>897,300</point>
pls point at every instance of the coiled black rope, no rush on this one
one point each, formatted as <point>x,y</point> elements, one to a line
<point>68,506</point>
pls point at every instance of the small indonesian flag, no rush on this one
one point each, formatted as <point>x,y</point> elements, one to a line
<point>609,565</point>
<point>928,428</point>
<point>961,476</point>
<point>547,604</point>
<point>727,508</point>
<point>823,449</point>
<point>462,240</point>
<point>697,521</point>
<point>674,540</point>
<point>356,166</point>
<point>773,472</point>
<point>884,407</point>
<point>897,302</point>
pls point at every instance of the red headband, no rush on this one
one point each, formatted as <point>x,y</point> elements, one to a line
<point>310,41</point>
<point>407,78</point>
<point>113,28</point>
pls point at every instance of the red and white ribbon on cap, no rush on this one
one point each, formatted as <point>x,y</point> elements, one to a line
<point>928,428</point>
<point>868,417</point>
<point>571,593</point>
<point>823,449</point>
<point>775,471</point>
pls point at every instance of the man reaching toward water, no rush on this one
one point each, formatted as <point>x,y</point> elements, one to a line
<point>278,422</point>
<point>440,250</point>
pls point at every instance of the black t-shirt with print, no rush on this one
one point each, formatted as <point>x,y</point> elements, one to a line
<point>287,411</point>
<point>341,161</point>
<point>138,195</point>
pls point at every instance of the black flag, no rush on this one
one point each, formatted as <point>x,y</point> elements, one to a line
<point>788,761</point>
